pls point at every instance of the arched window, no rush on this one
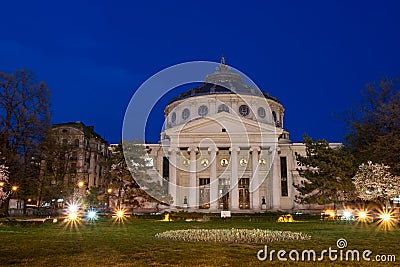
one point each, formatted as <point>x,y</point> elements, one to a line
<point>274,116</point>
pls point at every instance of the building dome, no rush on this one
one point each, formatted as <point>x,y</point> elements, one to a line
<point>224,91</point>
<point>223,81</point>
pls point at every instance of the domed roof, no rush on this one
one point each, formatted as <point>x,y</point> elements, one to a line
<point>223,81</point>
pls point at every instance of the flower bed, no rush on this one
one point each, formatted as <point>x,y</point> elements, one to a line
<point>250,236</point>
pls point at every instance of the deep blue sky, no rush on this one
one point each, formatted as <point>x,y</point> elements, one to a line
<point>315,56</point>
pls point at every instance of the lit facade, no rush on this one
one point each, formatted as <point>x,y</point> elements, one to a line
<point>224,147</point>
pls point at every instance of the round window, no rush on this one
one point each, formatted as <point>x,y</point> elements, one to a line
<point>223,108</point>
<point>185,113</point>
<point>261,112</point>
<point>224,162</point>
<point>204,162</point>
<point>173,117</point>
<point>244,110</point>
<point>203,110</point>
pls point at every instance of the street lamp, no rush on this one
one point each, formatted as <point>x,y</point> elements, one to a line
<point>81,184</point>
<point>109,192</point>
<point>14,188</point>
<point>2,184</point>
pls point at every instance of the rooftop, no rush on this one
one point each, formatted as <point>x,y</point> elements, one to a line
<point>223,81</point>
<point>88,131</point>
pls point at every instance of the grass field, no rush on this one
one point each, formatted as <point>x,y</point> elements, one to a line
<point>132,243</point>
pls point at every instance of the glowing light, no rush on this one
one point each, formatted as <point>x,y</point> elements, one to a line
<point>120,213</point>
<point>330,213</point>
<point>286,218</point>
<point>81,184</point>
<point>387,219</point>
<point>109,190</point>
<point>1,183</point>
<point>166,218</point>
<point>73,207</point>
<point>72,216</point>
<point>347,214</point>
<point>363,216</point>
<point>92,215</point>
<point>14,188</point>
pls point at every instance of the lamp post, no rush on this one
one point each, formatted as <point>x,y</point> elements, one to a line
<point>109,192</point>
<point>14,190</point>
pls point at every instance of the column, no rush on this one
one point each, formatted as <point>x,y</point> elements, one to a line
<point>172,185</point>
<point>192,179</point>
<point>213,179</point>
<point>276,182</point>
<point>234,193</point>
<point>255,182</point>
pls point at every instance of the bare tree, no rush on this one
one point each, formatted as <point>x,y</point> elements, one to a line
<point>24,121</point>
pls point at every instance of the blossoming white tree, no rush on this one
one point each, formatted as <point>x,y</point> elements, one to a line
<point>374,182</point>
<point>3,180</point>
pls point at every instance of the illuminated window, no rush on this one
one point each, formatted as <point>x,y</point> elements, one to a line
<point>284,176</point>
<point>244,195</point>
<point>204,193</point>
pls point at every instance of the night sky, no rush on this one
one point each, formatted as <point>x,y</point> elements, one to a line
<point>314,56</point>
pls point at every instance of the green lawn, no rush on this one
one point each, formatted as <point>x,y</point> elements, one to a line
<point>133,243</point>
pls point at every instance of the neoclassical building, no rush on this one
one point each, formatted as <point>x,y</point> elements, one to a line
<point>224,147</point>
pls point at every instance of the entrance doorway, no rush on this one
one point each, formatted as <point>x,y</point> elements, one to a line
<point>223,193</point>
<point>244,195</point>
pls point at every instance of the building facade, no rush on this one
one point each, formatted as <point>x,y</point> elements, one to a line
<point>224,147</point>
<point>85,151</point>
